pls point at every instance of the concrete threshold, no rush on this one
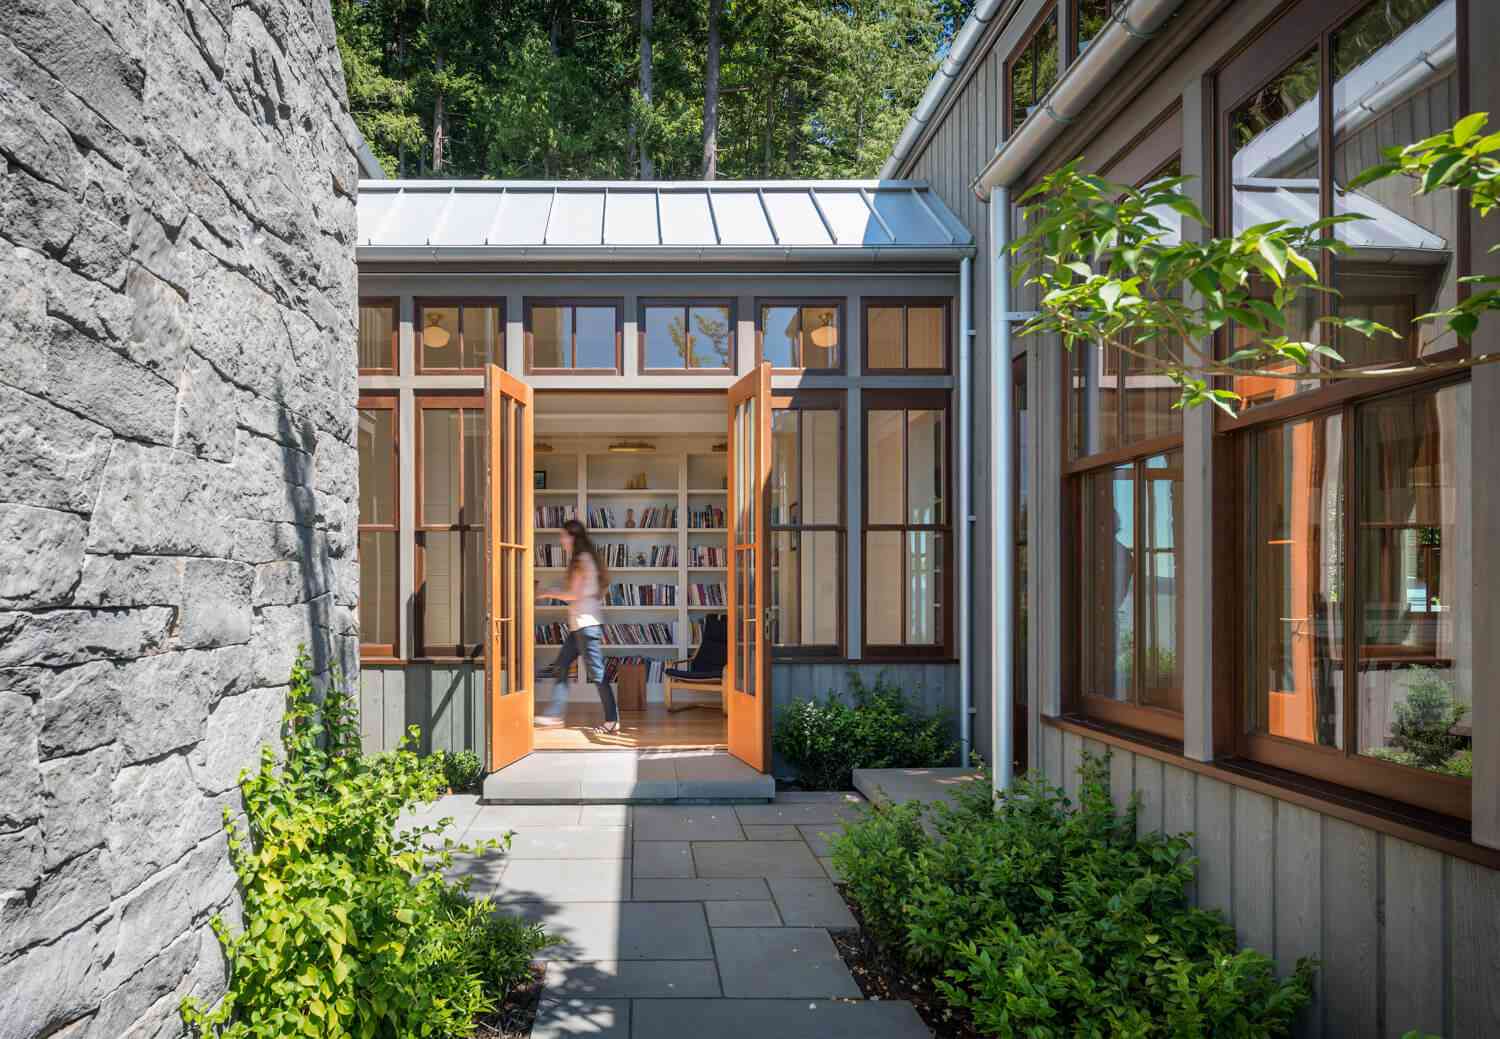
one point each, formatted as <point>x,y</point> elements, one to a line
<point>628,777</point>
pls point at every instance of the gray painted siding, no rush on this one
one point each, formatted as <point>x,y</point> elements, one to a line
<point>1409,938</point>
<point>442,700</point>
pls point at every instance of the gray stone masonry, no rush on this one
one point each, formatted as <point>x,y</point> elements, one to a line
<point>178,475</point>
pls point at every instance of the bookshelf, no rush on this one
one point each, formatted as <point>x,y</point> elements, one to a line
<point>684,474</point>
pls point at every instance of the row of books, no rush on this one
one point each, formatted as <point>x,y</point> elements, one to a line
<point>710,516</point>
<point>555,633</point>
<point>620,554</point>
<point>655,667</point>
<point>658,517</point>
<point>551,555</point>
<point>554,515</point>
<point>707,555</point>
<point>705,595</point>
<point>642,595</point>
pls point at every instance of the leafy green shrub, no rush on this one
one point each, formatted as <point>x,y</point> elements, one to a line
<point>460,768</point>
<point>1041,919</point>
<point>1422,733</point>
<point>825,741</point>
<point>349,928</point>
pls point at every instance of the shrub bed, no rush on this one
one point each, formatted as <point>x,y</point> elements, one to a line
<point>826,740</point>
<point>1037,918</point>
<point>350,929</point>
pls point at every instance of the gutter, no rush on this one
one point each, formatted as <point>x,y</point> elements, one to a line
<point>962,49</point>
<point>1126,33</point>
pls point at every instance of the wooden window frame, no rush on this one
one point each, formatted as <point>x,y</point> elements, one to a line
<point>1265,55</point>
<point>839,306</point>
<point>380,652</point>
<point>908,400</point>
<point>394,305</point>
<point>615,302</point>
<point>1049,10</point>
<point>818,400</point>
<point>683,304</point>
<point>1446,795</point>
<point>462,401</point>
<point>421,304</point>
<point>906,303</point>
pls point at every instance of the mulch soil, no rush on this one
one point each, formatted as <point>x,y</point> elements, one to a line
<point>514,1018</point>
<point>880,976</point>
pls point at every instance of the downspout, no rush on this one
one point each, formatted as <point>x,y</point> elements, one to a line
<point>1002,501</point>
<point>965,508</point>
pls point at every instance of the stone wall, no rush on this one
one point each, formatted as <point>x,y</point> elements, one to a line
<point>177,471</point>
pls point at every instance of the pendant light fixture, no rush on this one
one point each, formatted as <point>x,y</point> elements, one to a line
<point>825,336</point>
<point>435,336</point>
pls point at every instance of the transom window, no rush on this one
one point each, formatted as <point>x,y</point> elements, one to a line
<point>377,336</point>
<point>689,334</point>
<point>573,335</point>
<point>802,334</point>
<point>906,335</point>
<point>1032,70</point>
<point>459,335</point>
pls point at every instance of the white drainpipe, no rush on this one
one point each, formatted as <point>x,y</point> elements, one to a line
<point>965,508</point>
<point>1002,501</point>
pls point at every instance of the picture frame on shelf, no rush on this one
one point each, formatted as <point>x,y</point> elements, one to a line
<point>539,479</point>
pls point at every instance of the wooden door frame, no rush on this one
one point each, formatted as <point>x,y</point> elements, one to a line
<point>749,723</point>
<point>508,530</point>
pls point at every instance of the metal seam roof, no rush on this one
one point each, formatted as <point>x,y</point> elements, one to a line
<point>783,217</point>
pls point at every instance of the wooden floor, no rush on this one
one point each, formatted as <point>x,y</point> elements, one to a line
<point>653,727</point>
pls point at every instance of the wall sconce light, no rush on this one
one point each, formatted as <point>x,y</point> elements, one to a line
<point>632,447</point>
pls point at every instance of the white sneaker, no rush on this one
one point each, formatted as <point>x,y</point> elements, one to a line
<point>549,721</point>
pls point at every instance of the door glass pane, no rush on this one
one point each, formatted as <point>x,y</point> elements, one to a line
<point>752,626</point>
<point>884,329</point>
<point>924,583</point>
<point>822,475</point>
<point>442,588</point>
<point>1108,593</point>
<point>481,336</point>
<point>885,467</point>
<point>377,587</point>
<point>440,338</point>
<point>550,334</point>
<point>377,465</point>
<point>821,587</point>
<point>1296,562</point>
<point>1400,260</point>
<point>376,341</point>
<point>1161,603</point>
<point>473,447</point>
<point>710,329</point>
<point>779,331</point>
<point>786,476</point>
<point>786,613</point>
<point>503,617</point>
<point>439,486</point>
<point>595,343</point>
<point>884,570</point>
<point>820,337</point>
<point>924,337</point>
<point>667,337</point>
<point>1415,595</point>
<point>472,583</point>
<point>925,441</point>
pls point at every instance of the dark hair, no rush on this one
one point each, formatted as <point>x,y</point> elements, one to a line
<point>582,544</point>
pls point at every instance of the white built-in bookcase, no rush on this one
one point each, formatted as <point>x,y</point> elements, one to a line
<point>684,472</point>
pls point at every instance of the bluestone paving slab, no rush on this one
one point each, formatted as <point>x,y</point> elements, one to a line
<point>565,880</point>
<point>720,775</point>
<point>832,870</point>
<point>781,963</point>
<point>597,1018</point>
<point>810,903</point>
<point>604,815</point>
<point>484,873</point>
<point>621,930</point>
<point>514,817</point>
<point>631,979</point>
<point>700,890</point>
<point>778,1018</point>
<point>742,914</point>
<point>663,859</point>
<point>686,823</point>
<point>817,837</point>
<point>818,797</point>
<point>796,814</point>
<point>754,859</point>
<point>771,833</point>
<point>900,785</point>
<point>577,843</point>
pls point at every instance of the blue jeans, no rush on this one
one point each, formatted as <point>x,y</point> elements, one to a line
<point>586,644</point>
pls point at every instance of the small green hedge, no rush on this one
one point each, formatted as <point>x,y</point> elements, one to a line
<point>825,741</point>
<point>350,929</point>
<point>1040,919</point>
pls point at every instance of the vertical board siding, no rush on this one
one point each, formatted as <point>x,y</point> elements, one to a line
<point>1351,928</point>
<point>1214,843</point>
<point>1414,904</point>
<point>442,700</point>
<point>1298,923</point>
<point>1474,918</point>
<point>1254,906</point>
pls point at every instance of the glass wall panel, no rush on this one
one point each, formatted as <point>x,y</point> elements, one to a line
<point>1033,71</point>
<point>377,465</point>
<point>1415,680</point>
<point>820,337</point>
<point>482,336</point>
<point>821,587</point>
<point>925,442</point>
<point>440,456</point>
<point>473,462</point>
<point>1094,406</point>
<point>710,327</point>
<point>822,468</point>
<point>594,337</point>
<point>924,588</point>
<point>884,571</point>
<point>666,337</point>
<point>885,467</point>
<point>1108,592</point>
<point>377,346</point>
<point>1296,563</point>
<point>551,333</point>
<point>884,326</point>
<point>924,337</point>
<point>441,335</point>
<point>442,588</point>
<point>786,471</point>
<point>780,328</point>
<point>377,587</point>
<point>1161,594</point>
<point>786,602</point>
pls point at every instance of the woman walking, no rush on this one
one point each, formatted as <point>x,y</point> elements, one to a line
<point>584,594</point>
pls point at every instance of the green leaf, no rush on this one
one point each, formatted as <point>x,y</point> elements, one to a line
<point>1109,295</point>
<point>1274,251</point>
<point>1464,325</point>
<point>1468,126</point>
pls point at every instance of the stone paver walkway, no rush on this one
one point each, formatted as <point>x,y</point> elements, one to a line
<point>681,920</point>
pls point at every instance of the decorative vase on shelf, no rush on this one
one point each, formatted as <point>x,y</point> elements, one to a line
<point>630,517</point>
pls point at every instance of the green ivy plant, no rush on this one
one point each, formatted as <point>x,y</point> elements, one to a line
<point>1110,270</point>
<point>461,768</point>
<point>1039,918</point>
<point>349,927</point>
<point>1422,733</point>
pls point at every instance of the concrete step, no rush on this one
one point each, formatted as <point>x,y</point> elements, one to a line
<point>628,777</point>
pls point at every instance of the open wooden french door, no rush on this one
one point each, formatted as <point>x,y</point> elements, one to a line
<point>747,678</point>
<point>509,665</point>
